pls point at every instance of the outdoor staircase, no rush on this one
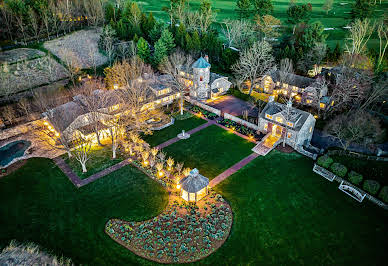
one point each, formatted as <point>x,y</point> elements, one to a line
<point>267,144</point>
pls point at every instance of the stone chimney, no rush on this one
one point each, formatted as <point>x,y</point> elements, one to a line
<point>206,57</point>
<point>271,99</point>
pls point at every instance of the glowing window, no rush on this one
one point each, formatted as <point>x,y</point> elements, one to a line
<point>279,119</point>
<point>322,105</point>
<point>200,78</point>
<point>309,101</point>
<point>311,129</point>
<point>268,116</point>
<point>290,124</point>
<point>289,135</point>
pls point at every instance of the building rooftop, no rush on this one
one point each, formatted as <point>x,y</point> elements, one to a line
<point>194,182</point>
<point>201,63</point>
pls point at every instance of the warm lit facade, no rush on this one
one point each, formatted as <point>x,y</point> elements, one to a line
<point>194,186</point>
<point>202,83</point>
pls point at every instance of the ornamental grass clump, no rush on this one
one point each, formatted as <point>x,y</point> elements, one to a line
<point>355,177</point>
<point>371,186</point>
<point>339,169</point>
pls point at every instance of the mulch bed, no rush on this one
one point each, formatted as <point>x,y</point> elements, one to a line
<point>13,167</point>
<point>286,149</point>
<point>183,233</point>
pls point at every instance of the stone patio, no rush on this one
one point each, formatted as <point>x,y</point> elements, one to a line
<point>232,105</point>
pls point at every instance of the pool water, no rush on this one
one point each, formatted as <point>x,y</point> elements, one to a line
<point>13,150</point>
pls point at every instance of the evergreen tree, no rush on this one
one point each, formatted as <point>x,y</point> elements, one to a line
<point>336,52</point>
<point>299,13</point>
<point>243,8</point>
<point>196,42</point>
<point>156,32</point>
<point>110,12</point>
<point>143,50</point>
<point>180,35</point>
<point>188,43</point>
<point>160,52</point>
<point>263,7</point>
<point>362,9</point>
<point>168,40</point>
<point>135,38</point>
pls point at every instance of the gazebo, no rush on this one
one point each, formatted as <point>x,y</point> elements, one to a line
<point>194,186</point>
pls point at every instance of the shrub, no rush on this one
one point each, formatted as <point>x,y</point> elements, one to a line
<point>339,169</point>
<point>355,177</point>
<point>325,161</point>
<point>384,194</point>
<point>371,186</point>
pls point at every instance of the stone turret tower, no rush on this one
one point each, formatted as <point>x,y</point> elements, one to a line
<point>201,73</point>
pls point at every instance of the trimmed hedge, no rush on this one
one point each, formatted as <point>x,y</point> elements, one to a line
<point>325,161</point>
<point>339,169</point>
<point>384,194</point>
<point>355,177</point>
<point>371,186</point>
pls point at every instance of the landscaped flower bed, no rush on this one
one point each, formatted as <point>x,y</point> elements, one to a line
<point>200,111</point>
<point>240,128</point>
<point>184,232</point>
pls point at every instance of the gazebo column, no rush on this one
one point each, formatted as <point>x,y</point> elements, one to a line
<point>195,197</point>
<point>188,196</point>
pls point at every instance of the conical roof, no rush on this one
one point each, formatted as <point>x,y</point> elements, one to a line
<point>201,63</point>
<point>194,182</point>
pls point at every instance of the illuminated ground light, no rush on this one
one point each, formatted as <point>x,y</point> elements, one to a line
<point>160,173</point>
<point>145,163</point>
<point>178,186</point>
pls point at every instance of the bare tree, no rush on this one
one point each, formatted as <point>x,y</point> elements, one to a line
<point>355,127</point>
<point>360,33</point>
<point>72,63</point>
<point>25,106</point>
<point>34,23</point>
<point>382,31</point>
<point>7,19</point>
<point>254,63</point>
<point>313,58</point>
<point>116,132</point>
<point>378,93</point>
<point>9,114</point>
<point>95,11</point>
<point>81,150</point>
<point>173,66</point>
<point>236,31</point>
<point>269,26</point>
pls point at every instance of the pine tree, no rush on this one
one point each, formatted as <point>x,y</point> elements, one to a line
<point>243,8</point>
<point>263,7</point>
<point>188,43</point>
<point>156,32</point>
<point>362,9</point>
<point>143,50</point>
<point>196,42</point>
<point>160,52</point>
<point>168,40</point>
<point>180,35</point>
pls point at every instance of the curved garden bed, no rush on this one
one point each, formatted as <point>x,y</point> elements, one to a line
<point>182,233</point>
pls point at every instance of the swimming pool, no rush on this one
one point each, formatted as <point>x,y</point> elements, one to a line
<point>13,150</point>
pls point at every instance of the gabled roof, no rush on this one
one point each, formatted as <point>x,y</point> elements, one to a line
<point>292,79</point>
<point>201,63</point>
<point>63,115</point>
<point>194,182</point>
<point>296,116</point>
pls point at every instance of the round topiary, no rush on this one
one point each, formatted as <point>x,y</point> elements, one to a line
<point>339,169</point>
<point>355,177</point>
<point>325,161</point>
<point>384,194</point>
<point>371,186</point>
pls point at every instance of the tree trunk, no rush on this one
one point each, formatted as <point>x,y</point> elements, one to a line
<point>83,167</point>
<point>69,154</point>
<point>114,151</point>
<point>181,106</point>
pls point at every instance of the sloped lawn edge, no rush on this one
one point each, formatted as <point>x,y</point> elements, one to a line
<point>182,233</point>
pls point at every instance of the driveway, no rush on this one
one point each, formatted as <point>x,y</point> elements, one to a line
<point>232,105</point>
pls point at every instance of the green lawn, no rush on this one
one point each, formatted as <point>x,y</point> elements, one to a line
<point>101,158</point>
<point>337,18</point>
<point>284,214</point>
<point>160,136</point>
<point>211,150</point>
<point>376,170</point>
<point>38,203</point>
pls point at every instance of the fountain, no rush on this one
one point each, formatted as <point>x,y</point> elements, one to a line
<point>183,135</point>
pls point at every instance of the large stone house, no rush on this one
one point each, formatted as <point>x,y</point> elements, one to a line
<point>74,116</point>
<point>305,91</point>
<point>282,122</point>
<point>202,83</point>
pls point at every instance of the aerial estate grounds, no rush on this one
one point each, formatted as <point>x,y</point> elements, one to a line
<point>283,214</point>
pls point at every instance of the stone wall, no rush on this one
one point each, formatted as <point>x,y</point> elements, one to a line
<point>240,121</point>
<point>203,106</point>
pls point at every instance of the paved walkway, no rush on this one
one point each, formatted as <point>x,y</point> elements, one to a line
<point>176,139</point>
<point>228,172</point>
<point>78,182</point>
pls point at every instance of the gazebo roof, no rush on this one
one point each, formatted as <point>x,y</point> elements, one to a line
<point>201,63</point>
<point>194,182</point>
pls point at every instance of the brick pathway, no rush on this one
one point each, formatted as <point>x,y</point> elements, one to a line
<point>230,171</point>
<point>104,172</point>
<point>173,140</point>
<point>68,171</point>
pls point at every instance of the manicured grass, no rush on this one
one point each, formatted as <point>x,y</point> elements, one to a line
<point>211,150</point>
<point>376,170</point>
<point>337,18</point>
<point>101,158</point>
<point>160,136</point>
<point>39,204</point>
<point>284,214</point>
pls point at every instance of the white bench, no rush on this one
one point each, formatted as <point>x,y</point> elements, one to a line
<point>352,192</point>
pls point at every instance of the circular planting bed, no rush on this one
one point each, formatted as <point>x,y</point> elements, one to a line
<point>184,232</point>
